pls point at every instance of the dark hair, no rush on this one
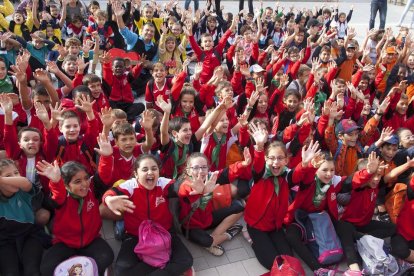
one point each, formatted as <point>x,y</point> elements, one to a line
<point>177,123</point>
<point>90,78</point>
<point>276,144</point>
<point>292,92</point>
<point>93,3</point>
<point>118,59</point>
<point>245,28</point>
<point>26,128</point>
<point>365,77</point>
<point>69,169</point>
<point>325,48</point>
<point>67,114</point>
<point>81,89</point>
<point>123,129</point>
<point>40,90</point>
<point>188,89</point>
<point>144,156</point>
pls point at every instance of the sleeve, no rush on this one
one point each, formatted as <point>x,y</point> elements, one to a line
<point>105,168</point>
<point>178,85</point>
<point>302,174</point>
<point>91,133</point>
<point>10,142</point>
<point>107,74</point>
<point>194,45</point>
<point>360,178</point>
<point>130,37</point>
<point>58,191</point>
<point>222,43</point>
<point>330,139</point>
<point>50,144</point>
<point>258,164</point>
<point>136,70</point>
<point>77,80</point>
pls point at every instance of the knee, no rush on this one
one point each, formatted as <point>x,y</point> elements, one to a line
<point>42,217</point>
<point>104,259</point>
<point>399,247</point>
<point>122,267</point>
<point>293,233</point>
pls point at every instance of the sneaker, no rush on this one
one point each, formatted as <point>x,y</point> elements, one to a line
<point>234,230</point>
<point>189,272</point>
<point>324,272</point>
<point>216,250</point>
<point>350,272</point>
<point>384,218</point>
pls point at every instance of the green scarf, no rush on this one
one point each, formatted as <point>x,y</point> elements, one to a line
<point>216,150</point>
<point>78,198</point>
<point>268,174</point>
<point>6,85</point>
<point>320,98</point>
<point>178,162</point>
<point>276,83</point>
<point>204,200</point>
<point>320,192</point>
<point>185,113</point>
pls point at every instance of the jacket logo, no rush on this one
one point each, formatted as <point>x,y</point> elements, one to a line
<point>159,200</point>
<point>89,205</point>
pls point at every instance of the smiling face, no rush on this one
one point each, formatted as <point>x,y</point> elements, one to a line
<point>18,18</point>
<point>276,160</point>
<point>351,138</point>
<point>159,73</point>
<point>70,67</point>
<point>291,102</point>
<point>406,138</point>
<point>170,45</point>
<point>126,144</point>
<point>402,106</point>
<point>70,129</point>
<point>100,20</point>
<point>148,32</point>
<point>207,42</point>
<point>147,173</point>
<point>148,12</point>
<point>79,184</point>
<point>223,125</point>
<point>388,152</point>
<point>118,67</point>
<point>184,134</point>
<point>3,70</point>
<point>96,89</point>
<point>262,103</point>
<point>325,56</point>
<point>198,166</point>
<point>326,172</point>
<point>187,103</point>
<point>30,143</point>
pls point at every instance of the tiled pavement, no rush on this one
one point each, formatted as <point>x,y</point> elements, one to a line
<point>238,259</point>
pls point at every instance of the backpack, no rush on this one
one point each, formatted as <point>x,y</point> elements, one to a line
<point>320,235</point>
<point>285,265</point>
<point>78,265</point>
<point>84,149</point>
<point>154,244</point>
<point>374,259</point>
<point>394,200</point>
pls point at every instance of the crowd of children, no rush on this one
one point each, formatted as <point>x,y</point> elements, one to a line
<point>205,122</point>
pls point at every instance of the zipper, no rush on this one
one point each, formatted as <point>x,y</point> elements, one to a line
<point>267,206</point>
<point>81,224</point>
<point>148,203</point>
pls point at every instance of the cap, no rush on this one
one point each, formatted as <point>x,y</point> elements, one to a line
<point>313,23</point>
<point>393,140</point>
<point>350,45</point>
<point>256,68</point>
<point>346,126</point>
<point>391,50</point>
<point>333,24</point>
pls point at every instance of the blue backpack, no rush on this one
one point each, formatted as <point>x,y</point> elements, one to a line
<point>320,236</point>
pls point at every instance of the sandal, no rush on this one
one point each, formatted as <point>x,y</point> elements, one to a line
<point>216,250</point>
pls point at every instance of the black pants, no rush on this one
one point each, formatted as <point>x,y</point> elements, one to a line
<point>28,257</point>
<point>128,263</point>
<point>400,247</point>
<point>99,250</point>
<point>132,109</point>
<point>348,233</point>
<point>294,237</point>
<point>268,245</point>
<point>201,236</point>
<point>250,4</point>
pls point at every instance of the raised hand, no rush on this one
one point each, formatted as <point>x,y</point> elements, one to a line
<point>6,103</point>
<point>105,57</point>
<point>41,112</point>
<point>247,157</point>
<point>81,64</point>
<point>253,98</point>
<point>386,134</point>
<point>384,105</point>
<point>258,134</point>
<point>210,183</point>
<point>120,204</point>
<point>85,104</point>
<point>106,117</point>
<point>52,67</point>
<point>309,152</point>
<point>373,163</point>
<point>56,111</point>
<point>147,120</point>
<point>105,148</point>
<point>18,74</point>
<point>41,75</point>
<point>51,171</point>
<point>164,105</point>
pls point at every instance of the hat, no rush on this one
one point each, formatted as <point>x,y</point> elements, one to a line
<point>256,68</point>
<point>350,45</point>
<point>333,24</point>
<point>346,126</point>
<point>393,140</point>
<point>313,23</point>
<point>391,50</point>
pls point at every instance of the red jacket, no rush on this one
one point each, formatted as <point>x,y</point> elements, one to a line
<point>121,90</point>
<point>265,210</point>
<point>361,196</point>
<point>203,218</point>
<point>74,229</point>
<point>150,204</point>
<point>405,220</point>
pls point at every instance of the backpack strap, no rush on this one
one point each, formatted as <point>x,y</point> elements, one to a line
<point>338,149</point>
<point>89,156</point>
<point>61,149</point>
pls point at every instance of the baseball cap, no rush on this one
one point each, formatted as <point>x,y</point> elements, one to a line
<point>256,68</point>
<point>350,45</point>
<point>391,50</point>
<point>313,22</point>
<point>393,140</point>
<point>346,126</point>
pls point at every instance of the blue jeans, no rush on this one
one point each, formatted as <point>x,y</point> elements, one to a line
<point>187,4</point>
<point>381,6</point>
<point>406,9</point>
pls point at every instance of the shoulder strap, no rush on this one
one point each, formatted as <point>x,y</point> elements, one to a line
<point>61,149</point>
<point>89,156</point>
<point>338,149</point>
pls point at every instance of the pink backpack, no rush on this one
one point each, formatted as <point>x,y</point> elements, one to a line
<point>154,244</point>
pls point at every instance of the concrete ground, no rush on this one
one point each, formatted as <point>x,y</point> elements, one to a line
<point>239,259</point>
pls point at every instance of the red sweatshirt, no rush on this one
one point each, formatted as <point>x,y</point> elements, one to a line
<point>405,220</point>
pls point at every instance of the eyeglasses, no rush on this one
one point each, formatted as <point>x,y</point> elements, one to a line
<point>274,158</point>
<point>198,168</point>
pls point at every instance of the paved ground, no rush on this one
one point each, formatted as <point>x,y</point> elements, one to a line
<point>239,259</point>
